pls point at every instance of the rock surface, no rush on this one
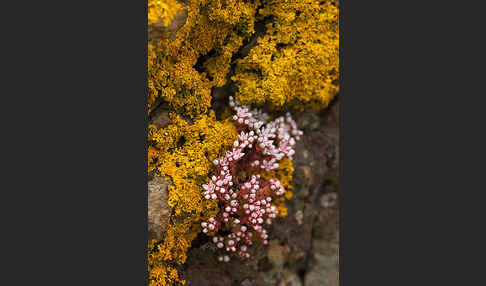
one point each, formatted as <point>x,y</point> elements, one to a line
<point>158,208</point>
<point>303,247</point>
<point>160,117</point>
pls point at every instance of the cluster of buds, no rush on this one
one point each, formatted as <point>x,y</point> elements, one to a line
<point>245,197</point>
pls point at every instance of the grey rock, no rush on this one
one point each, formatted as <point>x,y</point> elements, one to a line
<point>329,200</point>
<point>325,271</point>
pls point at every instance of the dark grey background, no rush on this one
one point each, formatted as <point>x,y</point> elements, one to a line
<point>73,85</point>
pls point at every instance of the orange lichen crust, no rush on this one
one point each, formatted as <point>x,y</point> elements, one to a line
<point>161,273</point>
<point>296,63</point>
<point>162,11</point>
<point>183,153</point>
<point>183,70</point>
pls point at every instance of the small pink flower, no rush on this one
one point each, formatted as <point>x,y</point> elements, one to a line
<point>265,144</point>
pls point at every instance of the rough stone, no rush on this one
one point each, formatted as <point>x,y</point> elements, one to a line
<point>158,208</point>
<point>290,278</point>
<point>329,200</point>
<point>299,216</point>
<point>325,267</point>
<point>303,246</point>
<point>160,117</point>
<point>306,172</point>
<point>277,253</point>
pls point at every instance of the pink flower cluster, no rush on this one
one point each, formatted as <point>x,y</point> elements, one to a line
<point>245,198</point>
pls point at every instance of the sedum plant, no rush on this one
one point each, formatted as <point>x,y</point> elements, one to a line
<point>244,196</point>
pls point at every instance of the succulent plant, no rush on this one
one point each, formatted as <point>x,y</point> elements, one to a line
<point>245,197</point>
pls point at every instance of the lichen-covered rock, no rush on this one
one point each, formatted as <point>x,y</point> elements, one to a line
<point>303,247</point>
<point>157,31</point>
<point>158,208</point>
<point>195,48</point>
<point>183,67</point>
<point>162,11</point>
<point>296,62</point>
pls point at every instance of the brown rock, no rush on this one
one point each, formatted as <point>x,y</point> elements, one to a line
<point>329,200</point>
<point>206,277</point>
<point>307,173</point>
<point>160,117</point>
<point>324,273</point>
<point>277,253</point>
<point>325,267</point>
<point>299,216</point>
<point>158,208</point>
<point>305,154</point>
<point>290,278</point>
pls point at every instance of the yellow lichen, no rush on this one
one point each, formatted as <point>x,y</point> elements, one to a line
<point>160,272</point>
<point>183,153</point>
<point>284,175</point>
<point>182,70</point>
<point>296,63</point>
<point>162,11</point>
